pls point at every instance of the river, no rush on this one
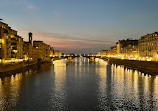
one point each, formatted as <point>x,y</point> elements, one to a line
<point>80,85</point>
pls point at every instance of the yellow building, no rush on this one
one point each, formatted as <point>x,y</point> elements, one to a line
<point>16,47</point>
<point>5,42</point>
<point>130,52</point>
<point>102,53</point>
<point>121,44</point>
<point>57,53</point>
<point>148,46</point>
<point>11,49</point>
<point>124,49</point>
<point>112,52</point>
<point>43,50</point>
<point>20,45</point>
<point>51,52</point>
<point>30,52</point>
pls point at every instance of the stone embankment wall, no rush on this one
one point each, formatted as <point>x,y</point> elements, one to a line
<point>23,65</point>
<point>15,66</point>
<point>149,67</point>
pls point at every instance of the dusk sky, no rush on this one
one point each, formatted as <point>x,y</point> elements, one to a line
<point>81,26</point>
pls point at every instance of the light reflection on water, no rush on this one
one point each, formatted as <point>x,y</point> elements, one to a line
<point>80,85</point>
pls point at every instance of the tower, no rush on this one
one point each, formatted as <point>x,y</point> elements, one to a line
<point>30,37</point>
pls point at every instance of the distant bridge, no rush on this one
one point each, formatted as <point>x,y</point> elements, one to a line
<point>71,57</point>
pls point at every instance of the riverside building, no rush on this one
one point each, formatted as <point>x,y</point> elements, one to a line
<point>112,52</point>
<point>43,50</point>
<point>30,52</point>
<point>123,46</point>
<point>144,49</point>
<point>148,47</point>
<point>11,45</point>
<point>51,51</point>
<point>14,49</point>
<point>102,53</point>
<point>57,53</point>
<point>124,49</point>
<point>128,49</point>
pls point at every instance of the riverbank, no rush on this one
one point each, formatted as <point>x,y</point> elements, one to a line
<point>24,65</point>
<point>42,67</point>
<point>57,58</point>
<point>148,67</point>
<point>16,66</point>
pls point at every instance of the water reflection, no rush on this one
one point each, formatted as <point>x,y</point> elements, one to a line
<point>58,95</point>
<point>9,92</point>
<point>79,85</point>
<point>12,87</point>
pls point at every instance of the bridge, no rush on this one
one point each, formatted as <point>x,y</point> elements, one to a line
<point>71,57</point>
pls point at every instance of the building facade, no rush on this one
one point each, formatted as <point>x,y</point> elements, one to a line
<point>51,51</point>
<point>102,53</point>
<point>43,50</point>
<point>11,45</point>
<point>30,52</point>
<point>121,44</point>
<point>148,46</point>
<point>130,51</point>
<point>14,49</point>
<point>57,53</point>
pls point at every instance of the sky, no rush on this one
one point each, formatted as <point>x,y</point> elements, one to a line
<point>81,26</point>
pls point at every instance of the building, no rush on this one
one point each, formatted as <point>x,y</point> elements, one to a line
<point>51,51</point>
<point>16,47</point>
<point>5,42</point>
<point>30,52</point>
<point>43,50</point>
<point>57,53</point>
<point>20,45</point>
<point>130,51</point>
<point>121,44</point>
<point>102,53</point>
<point>112,51</point>
<point>148,47</point>
<point>124,49</point>
<point>11,49</point>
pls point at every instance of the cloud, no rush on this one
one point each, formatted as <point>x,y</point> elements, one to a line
<point>67,43</point>
<point>30,6</point>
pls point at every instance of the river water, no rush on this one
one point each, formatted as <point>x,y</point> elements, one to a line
<point>79,85</point>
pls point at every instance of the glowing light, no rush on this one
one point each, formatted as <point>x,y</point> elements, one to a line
<point>15,51</point>
<point>2,41</point>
